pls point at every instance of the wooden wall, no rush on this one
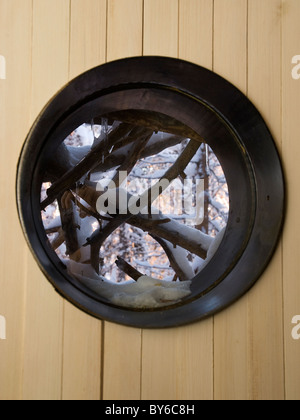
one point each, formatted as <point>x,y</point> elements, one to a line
<point>54,351</point>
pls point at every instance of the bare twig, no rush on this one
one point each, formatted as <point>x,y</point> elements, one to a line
<point>173,172</point>
<point>68,224</point>
<point>135,153</point>
<point>128,269</point>
<point>59,239</point>
<point>91,160</point>
<point>180,271</point>
<point>155,121</point>
<point>178,234</point>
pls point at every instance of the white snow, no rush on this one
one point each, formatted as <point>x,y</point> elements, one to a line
<point>146,293</point>
<point>213,247</point>
<point>180,255</point>
<point>186,231</point>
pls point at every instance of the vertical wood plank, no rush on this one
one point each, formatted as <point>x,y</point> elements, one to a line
<point>291,267</point>
<point>61,350</point>
<point>195,31</point>
<point>230,41</point>
<point>230,326</point>
<point>178,363</point>
<point>266,365</point>
<point>122,345</point>
<point>44,308</point>
<point>158,373</point>
<point>196,45</point>
<point>50,50</point>
<point>122,363</point>
<point>15,47</point>
<point>87,35</point>
<point>125,29</point>
<point>81,355</point>
<point>161,27</point>
<point>82,333</point>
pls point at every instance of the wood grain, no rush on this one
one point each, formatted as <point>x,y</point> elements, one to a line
<point>265,345</point>
<point>44,307</point>
<point>178,363</point>
<point>161,27</point>
<point>87,35</point>
<point>124,29</point>
<point>122,345</point>
<point>230,327</point>
<point>82,338</point>
<point>195,31</point>
<point>53,350</point>
<point>291,266</point>
<point>15,46</point>
<point>122,363</point>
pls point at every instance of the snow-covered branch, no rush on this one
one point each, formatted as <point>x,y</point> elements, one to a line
<point>178,258</point>
<point>87,164</point>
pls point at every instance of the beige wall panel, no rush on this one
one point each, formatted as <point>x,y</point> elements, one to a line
<point>50,50</point>
<point>230,326</point>
<point>230,41</point>
<point>161,27</point>
<point>81,376</point>
<point>44,307</point>
<point>15,47</point>
<point>291,151</point>
<point>55,351</point>
<point>122,363</point>
<point>266,368</point>
<point>122,345</point>
<point>177,363</point>
<point>87,35</point>
<point>195,31</point>
<point>125,29</point>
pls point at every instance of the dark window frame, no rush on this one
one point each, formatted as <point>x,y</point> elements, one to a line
<point>230,124</point>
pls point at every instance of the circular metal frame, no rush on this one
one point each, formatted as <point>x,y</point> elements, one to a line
<point>230,124</point>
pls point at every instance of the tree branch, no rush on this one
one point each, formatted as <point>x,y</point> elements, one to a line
<point>154,121</point>
<point>135,153</point>
<point>176,233</point>
<point>183,271</point>
<point>59,239</point>
<point>172,173</point>
<point>68,224</point>
<point>128,269</point>
<point>186,237</point>
<point>87,164</point>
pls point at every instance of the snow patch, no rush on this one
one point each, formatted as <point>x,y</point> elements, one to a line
<point>213,248</point>
<point>146,293</point>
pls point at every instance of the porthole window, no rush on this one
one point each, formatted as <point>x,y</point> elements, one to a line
<point>150,192</point>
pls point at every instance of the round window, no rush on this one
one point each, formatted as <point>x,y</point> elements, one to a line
<point>150,192</point>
